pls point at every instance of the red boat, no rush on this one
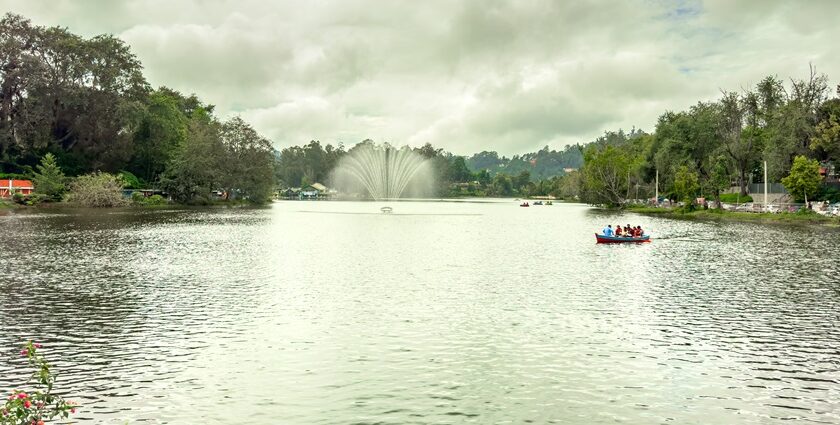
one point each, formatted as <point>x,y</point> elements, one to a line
<point>620,239</point>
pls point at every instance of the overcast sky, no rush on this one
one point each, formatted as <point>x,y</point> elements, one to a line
<point>510,76</point>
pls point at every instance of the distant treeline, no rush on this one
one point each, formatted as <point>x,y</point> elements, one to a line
<point>483,174</point>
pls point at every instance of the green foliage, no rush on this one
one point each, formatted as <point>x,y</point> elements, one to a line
<point>86,102</point>
<point>828,193</point>
<point>97,190</point>
<point>38,404</point>
<point>139,199</point>
<point>686,184</point>
<point>731,198</point>
<point>606,173</point>
<point>542,165</point>
<point>31,199</point>
<point>826,137</point>
<point>196,167</point>
<point>502,185</point>
<point>130,181</point>
<point>49,180</point>
<point>804,179</point>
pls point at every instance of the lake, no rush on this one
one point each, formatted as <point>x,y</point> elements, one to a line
<point>442,312</point>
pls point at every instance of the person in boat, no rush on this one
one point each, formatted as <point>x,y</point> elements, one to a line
<point>608,231</point>
<point>619,231</point>
<point>628,231</point>
<point>641,232</point>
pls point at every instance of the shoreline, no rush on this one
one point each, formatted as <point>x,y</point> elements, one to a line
<point>813,219</point>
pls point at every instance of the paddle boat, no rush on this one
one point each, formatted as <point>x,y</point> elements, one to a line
<point>620,239</point>
<point>524,204</point>
<point>538,203</point>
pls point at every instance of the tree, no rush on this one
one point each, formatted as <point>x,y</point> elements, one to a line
<point>502,185</point>
<point>162,129</point>
<point>605,175</point>
<point>739,144</point>
<point>49,179</point>
<point>686,184</point>
<point>804,179</point>
<point>249,161</point>
<point>826,138</point>
<point>196,167</point>
<point>719,179</point>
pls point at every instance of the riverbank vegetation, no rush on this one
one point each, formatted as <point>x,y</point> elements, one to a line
<point>803,216</point>
<point>82,107</point>
<point>703,151</point>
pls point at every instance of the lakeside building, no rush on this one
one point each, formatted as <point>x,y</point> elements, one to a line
<point>9,187</point>
<point>315,191</point>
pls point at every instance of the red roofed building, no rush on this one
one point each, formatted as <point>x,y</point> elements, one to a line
<point>9,187</point>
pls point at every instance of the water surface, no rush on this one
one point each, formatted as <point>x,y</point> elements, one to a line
<point>332,313</point>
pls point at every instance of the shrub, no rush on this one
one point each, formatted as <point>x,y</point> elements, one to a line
<point>40,404</point>
<point>138,198</point>
<point>731,198</point>
<point>155,200</point>
<point>98,190</point>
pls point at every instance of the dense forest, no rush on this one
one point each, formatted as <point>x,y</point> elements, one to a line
<point>86,104</point>
<point>715,145</point>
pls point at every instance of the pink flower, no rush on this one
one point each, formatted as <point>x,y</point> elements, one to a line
<point>27,404</point>
<point>22,395</point>
<point>73,410</point>
<point>24,353</point>
<point>40,423</point>
<point>37,345</point>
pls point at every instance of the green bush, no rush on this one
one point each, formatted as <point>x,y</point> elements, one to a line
<point>731,198</point>
<point>29,200</point>
<point>97,190</point>
<point>138,198</point>
<point>828,193</point>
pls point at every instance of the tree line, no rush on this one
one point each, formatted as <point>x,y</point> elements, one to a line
<point>483,174</point>
<point>86,103</point>
<point>712,146</point>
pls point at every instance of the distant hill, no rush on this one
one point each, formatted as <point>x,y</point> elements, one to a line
<point>545,163</point>
<point>542,164</point>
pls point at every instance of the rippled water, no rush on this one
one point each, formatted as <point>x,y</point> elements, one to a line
<point>331,313</point>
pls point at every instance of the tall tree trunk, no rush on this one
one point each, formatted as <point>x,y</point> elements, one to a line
<point>743,180</point>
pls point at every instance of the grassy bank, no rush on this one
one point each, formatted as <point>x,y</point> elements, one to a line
<point>736,216</point>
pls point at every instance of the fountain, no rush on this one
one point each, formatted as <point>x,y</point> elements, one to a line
<point>383,173</point>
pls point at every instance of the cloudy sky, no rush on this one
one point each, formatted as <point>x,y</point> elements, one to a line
<point>510,76</point>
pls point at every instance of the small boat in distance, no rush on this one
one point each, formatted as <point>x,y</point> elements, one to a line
<point>386,210</point>
<point>524,204</point>
<point>620,239</point>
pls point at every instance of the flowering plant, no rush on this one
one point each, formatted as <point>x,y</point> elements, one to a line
<point>34,407</point>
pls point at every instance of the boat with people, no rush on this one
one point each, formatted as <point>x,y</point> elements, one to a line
<point>524,204</point>
<point>626,234</point>
<point>621,239</point>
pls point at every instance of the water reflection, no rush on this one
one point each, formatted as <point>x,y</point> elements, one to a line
<point>438,313</point>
